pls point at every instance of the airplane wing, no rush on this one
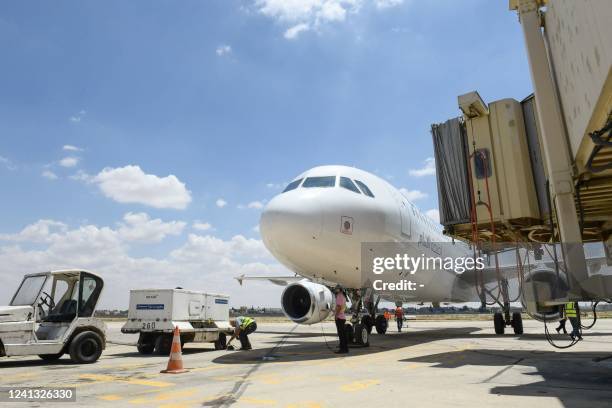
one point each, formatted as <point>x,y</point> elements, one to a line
<point>277,280</point>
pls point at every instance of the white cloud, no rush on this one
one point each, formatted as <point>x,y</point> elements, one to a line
<point>72,148</point>
<point>40,231</point>
<point>383,4</point>
<point>434,214</point>
<point>81,176</point>
<point>130,184</point>
<point>304,15</point>
<point>276,185</point>
<point>258,205</point>
<point>69,161</point>
<point>294,31</point>
<point>77,118</point>
<point>48,174</point>
<point>428,169</point>
<point>223,50</point>
<point>7,163</point>
<point>413,195</point>
<point>220,203</point>
<point>201,226</point>
<point>200,262</point>
<point>140,227</point>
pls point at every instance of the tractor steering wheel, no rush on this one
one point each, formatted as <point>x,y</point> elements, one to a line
<point>46,299</point>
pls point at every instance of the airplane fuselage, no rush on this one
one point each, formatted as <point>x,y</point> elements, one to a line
<point>316,228</point>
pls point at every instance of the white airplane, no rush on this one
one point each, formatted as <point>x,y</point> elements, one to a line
<point>316,228</point>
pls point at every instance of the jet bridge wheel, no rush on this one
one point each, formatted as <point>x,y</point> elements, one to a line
<point>500,324</point>
<point>381,324</point>
<point>517,323</point>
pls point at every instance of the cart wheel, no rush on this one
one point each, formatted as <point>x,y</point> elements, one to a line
<point>163,344</point>
<point>51,357</point>
<point>221,343</point>
<point>85,347</point>
<point>146,344</point>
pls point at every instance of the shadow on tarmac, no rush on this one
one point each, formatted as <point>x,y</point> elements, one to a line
<point>575,378</point>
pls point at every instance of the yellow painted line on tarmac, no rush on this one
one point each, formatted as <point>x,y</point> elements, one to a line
<point>166,396</point>
<point>102,378</point>
<point>305,404</point>
<point>359,385</point>
<point>25,375</point>
<point>110,397</point>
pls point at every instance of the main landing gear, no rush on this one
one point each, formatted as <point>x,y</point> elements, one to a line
<point>504,319</point>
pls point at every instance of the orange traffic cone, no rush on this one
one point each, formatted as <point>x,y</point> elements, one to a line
<point>175,363</point>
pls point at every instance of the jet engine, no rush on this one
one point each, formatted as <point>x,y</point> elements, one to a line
<point>306,302</point>
<point>543,285</point>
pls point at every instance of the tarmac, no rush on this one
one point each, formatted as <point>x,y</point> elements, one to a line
<point>430,364</point>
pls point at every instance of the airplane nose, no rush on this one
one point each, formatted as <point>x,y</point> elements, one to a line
<point>290,219</point>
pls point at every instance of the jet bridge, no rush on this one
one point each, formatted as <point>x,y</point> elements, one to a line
<point>539,171</point>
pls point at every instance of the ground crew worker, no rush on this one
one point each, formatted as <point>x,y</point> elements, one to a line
<point>243,327</point>
<point>387,314</point>
<point>340,318</point>
<point>399,317</point>
<point>562,323</point>
<point>571,312</point>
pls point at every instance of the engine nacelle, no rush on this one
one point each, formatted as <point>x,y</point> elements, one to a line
<point>306,302</point>
<point>542,285</point>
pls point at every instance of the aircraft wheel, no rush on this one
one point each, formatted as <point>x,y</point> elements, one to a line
<point>517,323</point>
<point>368,322</point>
<point>361,335</point>
<point>348,328</point>
<point>498,321</point>
<point>381,324</point>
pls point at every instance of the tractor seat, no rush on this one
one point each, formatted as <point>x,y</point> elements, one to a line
<point>66,312</point>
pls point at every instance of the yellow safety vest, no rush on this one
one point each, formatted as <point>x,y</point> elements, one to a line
<point>570,310</point>
<point>246,321</point>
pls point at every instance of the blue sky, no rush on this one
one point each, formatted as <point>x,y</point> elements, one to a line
<point>198,101</point>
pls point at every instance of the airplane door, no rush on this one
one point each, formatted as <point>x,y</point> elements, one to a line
<point>406,221</point>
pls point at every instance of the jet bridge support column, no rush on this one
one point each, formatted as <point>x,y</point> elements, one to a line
<point>557,157</point>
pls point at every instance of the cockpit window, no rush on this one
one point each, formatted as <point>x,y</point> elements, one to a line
<point>348,184</point>
<point>293,185</point>
<point>326,181</point>
<point>364,188</point>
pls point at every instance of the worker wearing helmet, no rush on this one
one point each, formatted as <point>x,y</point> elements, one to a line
<point>243,326</point>
<point>340,318</point>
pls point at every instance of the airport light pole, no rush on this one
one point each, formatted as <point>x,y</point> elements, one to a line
<point>555,148</point>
